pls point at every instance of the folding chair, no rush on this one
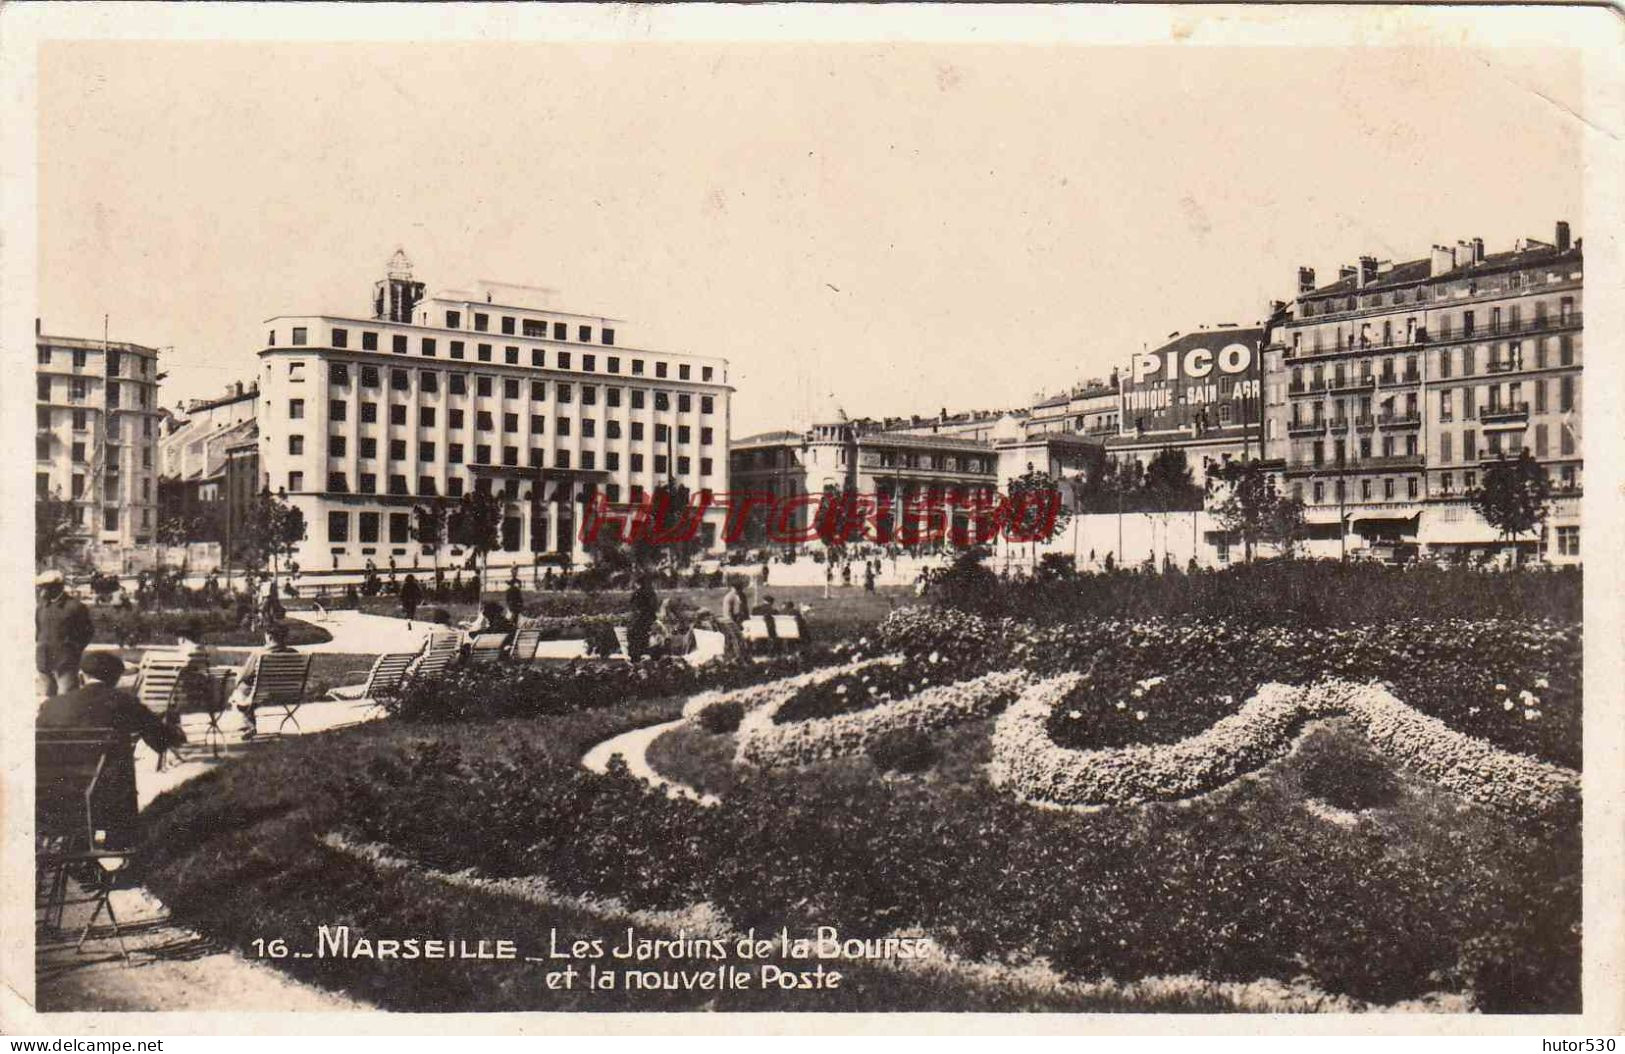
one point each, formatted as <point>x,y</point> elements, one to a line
<point>621,641</point>
<point>279,681</point>
<point>756,633</point>
<point>525,642</point>
<point>439,653</point>
<point>163,682</point>
<point>69,769</point>
<point>789,629</point>
<point>486,648</point>
<point>709,645</point>
<point>383,680</point>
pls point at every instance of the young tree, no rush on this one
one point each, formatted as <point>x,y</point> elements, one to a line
<point>672,530</point>
<point>1036,510</point>
<point>475,524</point>
<point>1247,504</point>
<point>1513,496</point>
<point>271,529</point>
<point>1170,487</point>
<point>429,525</point>
<point>57,531</point>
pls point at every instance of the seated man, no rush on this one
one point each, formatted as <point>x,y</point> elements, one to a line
<point>100,704</point>
<point>791,609</point>
<point>242,697</point>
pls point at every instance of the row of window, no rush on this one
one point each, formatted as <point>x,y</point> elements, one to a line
<point>368,482</point>
<point>1421,294</point>
<point>77,453</point>
<point>79,391</point>
<point>339,483</point>
<point>485,387</point>
<point>530,327</point>
<point>1507,398</point>
<point>114,362</point>
<point>1564,477</point>
<point>1407,446</point>
<point>338,445</point>
<point>429,347</point>
<point>44,418</point>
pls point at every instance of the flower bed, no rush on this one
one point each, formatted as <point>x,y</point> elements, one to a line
<point>769,742</point>
<point>861,689</point>
<point>1028,762</point>
<point>756,695</point>
<point>1514,683</point>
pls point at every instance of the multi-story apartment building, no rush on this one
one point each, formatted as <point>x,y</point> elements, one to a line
<point>96,435</point>
<point>1390,389</point>
<point>1090,409</point>
<point>361,419</point>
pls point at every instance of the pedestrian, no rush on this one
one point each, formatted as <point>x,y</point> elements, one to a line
<point>868,577</point>
<point>62,629</point>
<point>644,605</point>
<point>411,597</point>
<point>846,573</point>
<point>515,598</point>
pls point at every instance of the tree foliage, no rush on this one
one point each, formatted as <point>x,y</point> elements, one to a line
<point>57,531</point>
<point>475,524</point>
<point>429,525</point>
<point>271,529</point>
<point>1033,495</point>
<point>1247,504</point>
<point>1513,495</point>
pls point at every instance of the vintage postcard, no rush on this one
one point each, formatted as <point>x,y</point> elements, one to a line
<point>580,515</point>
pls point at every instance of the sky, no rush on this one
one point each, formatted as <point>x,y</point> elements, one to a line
<point>893,228</point>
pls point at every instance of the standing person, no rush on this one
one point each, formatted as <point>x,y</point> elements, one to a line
<point>411,597</point>
<point>101,704</point>
<point>846,573</point>
<point>764,568</point>
<point>644,604</point>
<point>515,598</point>
<point>62,629</point>
<point>734,608</point>
<point>868,577</point>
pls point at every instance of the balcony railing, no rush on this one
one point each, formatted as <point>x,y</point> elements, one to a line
<point>1504,415</point>
<point>1306,428</point>
<point>1411,377</point>
<point>1393,461</point>
<point>1400,420</point>
<point>1364,423</point>
<point>1353,384</point>
<point>1511,328</point>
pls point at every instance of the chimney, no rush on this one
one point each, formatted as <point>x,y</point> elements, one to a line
<point>1562,239</point>
<point>1441,261</point>
<point>1368,270</point>
<point>1306,280</point>
<point>239,389</point>
<point>1564,226</point>
<point>1478,250</point>
<point>1464,253</point>
<point>1347,271</point>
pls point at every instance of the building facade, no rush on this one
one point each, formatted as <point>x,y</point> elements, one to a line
<point>361,419</point>
<point>96,435</point>
<point>1391,389</point>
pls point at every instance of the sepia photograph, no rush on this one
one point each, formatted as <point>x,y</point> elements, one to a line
<point>775,511</point>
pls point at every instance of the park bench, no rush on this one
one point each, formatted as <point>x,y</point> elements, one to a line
<point>384,680</point>
<point>486,648</point>
<point>709,645</point>
<point>69,766</point>
<point>279,681</point>
<point>526,640</point>
<point>788,626</point>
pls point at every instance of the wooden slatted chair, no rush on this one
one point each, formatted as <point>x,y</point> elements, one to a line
<point>384,680</point>
<point>789,629</point>
<point>279,682</point>
<point>621,641</point>
<point>486,648</point>
<point>166,680</point>
<point>709,645</point>
<point>526,640</point>
<point>69,765</point>
<point>439,652</point>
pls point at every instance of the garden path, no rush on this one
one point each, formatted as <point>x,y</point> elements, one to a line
<point>633,747</point>
<point>358,633</point>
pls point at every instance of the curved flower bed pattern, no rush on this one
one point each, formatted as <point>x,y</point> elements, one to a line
<point>753,697</point>
<point>1030,764</point>
<point>762,741</point>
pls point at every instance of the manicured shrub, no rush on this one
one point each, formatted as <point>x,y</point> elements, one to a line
<point>902,751</point>
<point>862,689</point>
<point>720,718</point>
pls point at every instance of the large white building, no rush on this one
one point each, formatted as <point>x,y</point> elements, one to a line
<point>96,435</point>
<point>497,389</point>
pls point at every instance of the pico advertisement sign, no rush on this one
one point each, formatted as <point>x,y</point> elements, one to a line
<point>1210,378</point>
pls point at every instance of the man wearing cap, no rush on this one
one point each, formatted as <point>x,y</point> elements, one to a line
<point>61,631</point>
<point>101,704</point>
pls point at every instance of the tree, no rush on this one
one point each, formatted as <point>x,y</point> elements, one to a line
<point>1169,486</point>
<point>672,528</point>
<point>1036,510</point>
<point>57,530</point>
<point>429,526</point>
<point>1513,495</point>
<point>271,529</point>
<point>1248,505</point>
<point>475,524</point>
